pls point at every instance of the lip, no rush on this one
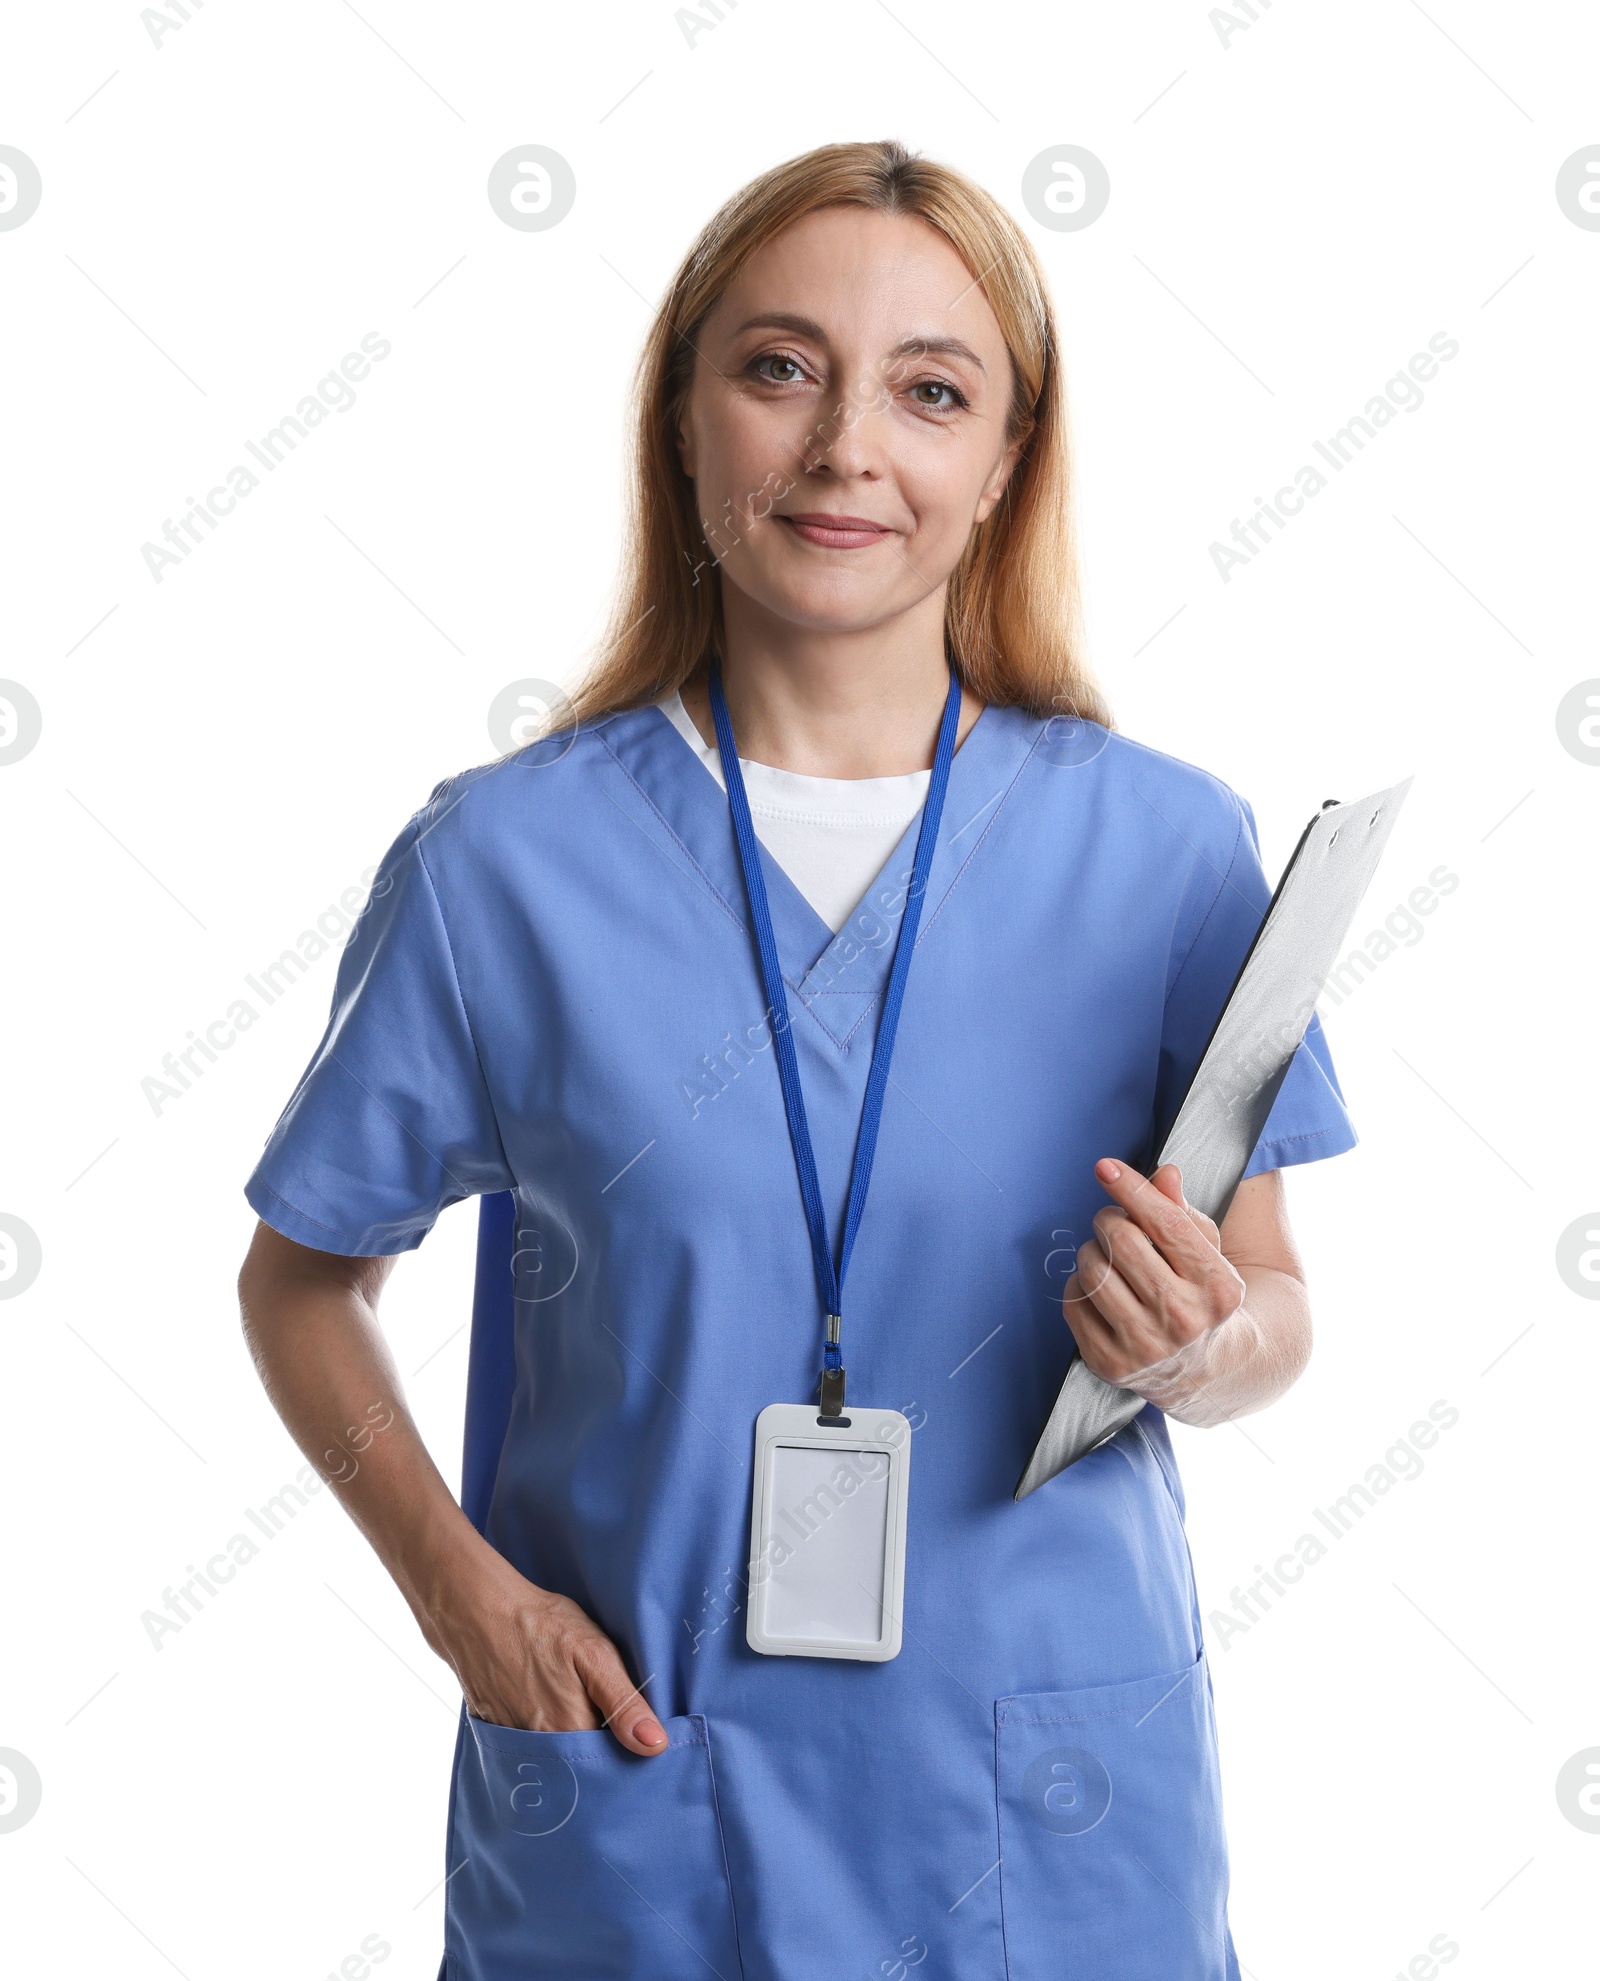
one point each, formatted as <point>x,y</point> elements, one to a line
<point>831,532</point>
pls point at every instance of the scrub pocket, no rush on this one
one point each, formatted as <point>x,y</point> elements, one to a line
<point>1113,1865</point>
<point>570,1857</point>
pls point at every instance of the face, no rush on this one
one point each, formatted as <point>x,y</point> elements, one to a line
<point>845,429</point>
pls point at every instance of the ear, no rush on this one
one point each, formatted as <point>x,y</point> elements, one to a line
<point>995,486</point>
<point>683,438</point>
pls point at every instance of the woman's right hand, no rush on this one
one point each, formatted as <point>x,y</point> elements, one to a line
<point>528,1658</point>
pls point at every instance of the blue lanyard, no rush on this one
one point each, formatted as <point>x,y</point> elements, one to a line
<point>830,1281</point>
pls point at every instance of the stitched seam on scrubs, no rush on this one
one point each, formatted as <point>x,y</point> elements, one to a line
<point>960,874</point>
<point>466,1016</point>
<point>716,1811</point>
<point>1233,858</point>
<point>1320,1140</point>
<point>486,1730</point>
<point>1083,1719</point>
<point>289,1205</point>
<point>994,818</point>
<point>386,873</point>
<point>710,886</point>
<point>1169,1478</point>
<point>1074,1719</point>
<point>450,1833</point>
<point>999,1834</point>
<point>655,811</point>
<point>808,1005</point>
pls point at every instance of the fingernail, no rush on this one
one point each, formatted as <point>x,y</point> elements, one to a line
<point>649,1733</point>
<point>1107,1170</point>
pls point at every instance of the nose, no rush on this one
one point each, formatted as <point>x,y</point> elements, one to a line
<point>849,440</point>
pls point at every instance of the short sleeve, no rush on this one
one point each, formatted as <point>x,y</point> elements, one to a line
<point>392,1120</point>
<point>1230,894</point>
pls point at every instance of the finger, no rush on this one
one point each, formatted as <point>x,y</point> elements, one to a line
<point>1168,1227</point>
<point>505,1703</point>
<point>1103,1295</point>
<point>1092,1267</point>
<point>1077,1300</point>
<point>1169,1181</point>
<point>1081,1316</point>
<point>1134,1330</point>
<point>1111,1329</point>
<point>618,1701</point>
<point>1133,1255</point>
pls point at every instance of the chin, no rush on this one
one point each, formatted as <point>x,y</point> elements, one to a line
<point>837,607</point>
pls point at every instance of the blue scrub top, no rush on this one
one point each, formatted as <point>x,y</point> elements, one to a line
<point>554,993</point>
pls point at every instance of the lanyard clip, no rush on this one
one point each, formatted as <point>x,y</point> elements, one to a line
<point>832,1386</point>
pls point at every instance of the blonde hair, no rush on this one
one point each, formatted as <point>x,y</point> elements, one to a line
<point>1013,622</point>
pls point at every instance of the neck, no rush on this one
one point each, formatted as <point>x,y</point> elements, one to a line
<point>833,705</point>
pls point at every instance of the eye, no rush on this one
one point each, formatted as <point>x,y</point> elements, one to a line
<point>956,402</point>
<point>794,367</point>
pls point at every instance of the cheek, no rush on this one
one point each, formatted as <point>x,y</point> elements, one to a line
<point>746,452</point>
<point>941,477</point>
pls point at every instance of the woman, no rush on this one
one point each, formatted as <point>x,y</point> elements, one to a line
<point>851,494</point>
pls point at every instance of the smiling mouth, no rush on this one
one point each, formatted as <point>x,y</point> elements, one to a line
<point>836,532</point>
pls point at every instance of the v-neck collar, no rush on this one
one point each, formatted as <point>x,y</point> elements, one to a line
<point>836,978</point>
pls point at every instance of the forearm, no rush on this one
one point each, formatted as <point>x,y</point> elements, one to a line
<point>1242,1365</point>
<point>324,1363</point>
<point>525,1656</point>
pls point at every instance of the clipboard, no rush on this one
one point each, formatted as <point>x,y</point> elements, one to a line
<point>1225,1108</point>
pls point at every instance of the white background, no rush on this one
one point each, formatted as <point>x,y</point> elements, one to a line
<point>1295,210</point>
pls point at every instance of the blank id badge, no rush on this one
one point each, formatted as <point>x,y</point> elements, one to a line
<point>828,1533</point>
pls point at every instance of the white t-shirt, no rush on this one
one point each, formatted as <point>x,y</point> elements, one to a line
<point>830,835</point>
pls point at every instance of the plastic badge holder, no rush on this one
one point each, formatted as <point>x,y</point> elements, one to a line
<point>828,1533</point>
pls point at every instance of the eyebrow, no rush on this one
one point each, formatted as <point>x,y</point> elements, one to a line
<point>806,326</point>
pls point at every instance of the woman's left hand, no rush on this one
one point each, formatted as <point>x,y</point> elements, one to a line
<point>1152,1282</point>
<point>1207,1326</point>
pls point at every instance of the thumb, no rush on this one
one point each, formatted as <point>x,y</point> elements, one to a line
<point>619,1702</point>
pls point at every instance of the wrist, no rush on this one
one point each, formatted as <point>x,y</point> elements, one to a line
<point>446,1567</point>
<point>1192,1383</point>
